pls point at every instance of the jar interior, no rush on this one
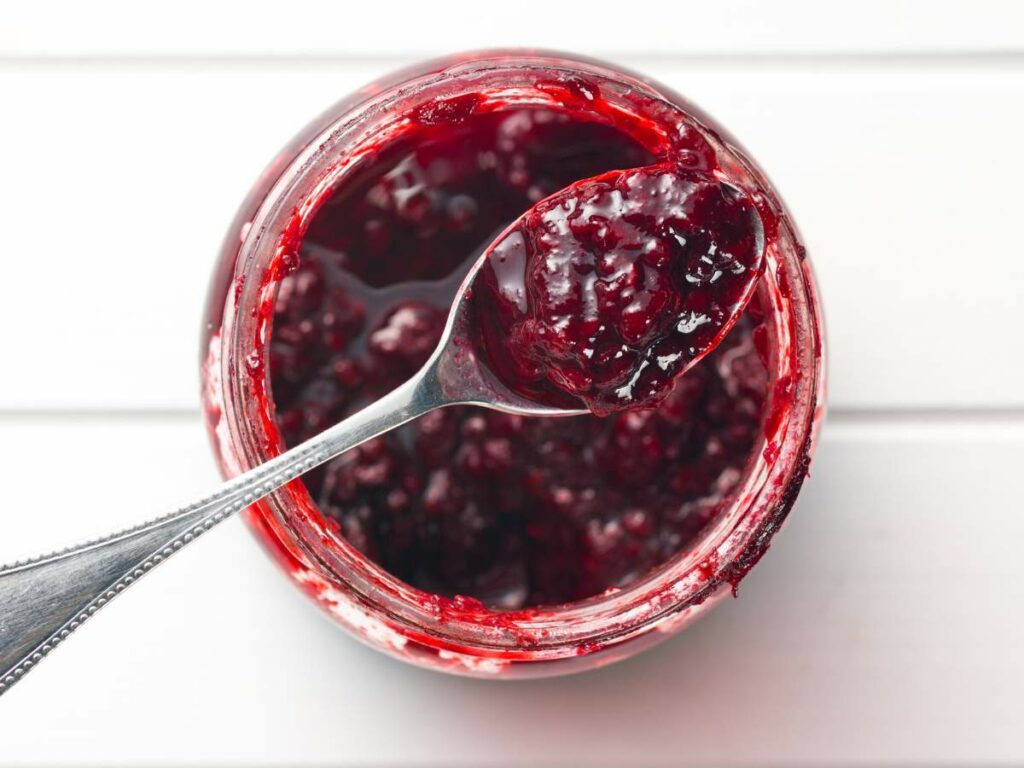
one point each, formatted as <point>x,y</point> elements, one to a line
<point>494,510</point>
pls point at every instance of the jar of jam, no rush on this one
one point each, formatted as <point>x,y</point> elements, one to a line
<point>474,541</point>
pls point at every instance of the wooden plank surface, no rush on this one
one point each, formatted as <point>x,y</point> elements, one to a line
<point>323,27</point>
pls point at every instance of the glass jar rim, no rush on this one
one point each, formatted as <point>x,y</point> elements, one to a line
<point>727,548</point>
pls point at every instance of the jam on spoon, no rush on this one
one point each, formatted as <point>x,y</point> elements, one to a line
<point>610,289</point>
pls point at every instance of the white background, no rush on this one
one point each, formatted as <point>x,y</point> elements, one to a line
<point>884,626</point>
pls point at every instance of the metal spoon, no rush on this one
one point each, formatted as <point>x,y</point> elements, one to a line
<point>44,600</point>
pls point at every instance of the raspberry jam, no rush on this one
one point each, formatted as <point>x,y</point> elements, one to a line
<point>614,286</point>
<point>483,542</point>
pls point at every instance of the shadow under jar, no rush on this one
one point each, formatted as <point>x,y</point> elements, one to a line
<point>472,541</point>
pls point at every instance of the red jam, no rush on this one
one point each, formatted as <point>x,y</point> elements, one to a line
<point>613,287</point>
<point>518,512</point>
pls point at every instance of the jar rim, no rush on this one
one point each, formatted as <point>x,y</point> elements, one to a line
<point>726,549</point>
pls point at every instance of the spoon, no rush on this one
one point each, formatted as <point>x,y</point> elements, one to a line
<point>45,599</point>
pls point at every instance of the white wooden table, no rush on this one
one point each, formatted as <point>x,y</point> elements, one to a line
<point>885,625</point>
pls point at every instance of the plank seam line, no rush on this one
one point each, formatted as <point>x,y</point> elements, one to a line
<point>979,416</point>
<point>869,59</point>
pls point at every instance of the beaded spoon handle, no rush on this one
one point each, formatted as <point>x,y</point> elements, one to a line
<point>44,600</point>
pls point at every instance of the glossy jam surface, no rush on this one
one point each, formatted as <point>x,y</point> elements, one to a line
<point>510,511</point>
<point>614,286</point>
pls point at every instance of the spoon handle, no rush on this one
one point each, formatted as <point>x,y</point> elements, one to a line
<point>44,600</point>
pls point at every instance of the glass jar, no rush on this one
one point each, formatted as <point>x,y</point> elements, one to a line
<point>383,611</point>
